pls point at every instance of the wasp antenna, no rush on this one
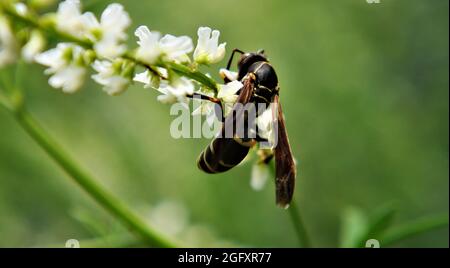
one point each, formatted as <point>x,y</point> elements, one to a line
<point>232,55</point>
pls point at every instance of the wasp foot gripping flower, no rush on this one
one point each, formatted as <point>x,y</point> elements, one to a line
<point>8,44</point>
<point>114,76</point>
<point>208,50</point>
<point>153,48</point>
<point>34,46</point>
<point>67,64</point>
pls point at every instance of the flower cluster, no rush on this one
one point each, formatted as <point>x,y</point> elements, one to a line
<point>100,44</point>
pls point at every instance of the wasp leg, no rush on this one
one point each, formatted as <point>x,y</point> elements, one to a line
<point>230,61</point>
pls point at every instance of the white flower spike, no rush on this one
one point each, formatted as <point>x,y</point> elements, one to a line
<point>8,43</point>
<point>110,75</point>
<point>65,63</point>
<point>152,47</point>
<point>208,50</point>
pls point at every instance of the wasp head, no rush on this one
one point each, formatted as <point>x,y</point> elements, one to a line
<point>247,59</point>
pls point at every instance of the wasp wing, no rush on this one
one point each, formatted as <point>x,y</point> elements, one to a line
<point>284,161</point>
<point>237,114</point>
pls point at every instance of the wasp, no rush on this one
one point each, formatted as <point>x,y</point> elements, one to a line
<point>260,86</point>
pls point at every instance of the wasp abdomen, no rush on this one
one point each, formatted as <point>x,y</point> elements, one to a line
<point>222,154</point>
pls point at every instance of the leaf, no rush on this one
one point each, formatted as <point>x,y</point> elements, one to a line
<point>414,228</point>
<point>354,226</point>
<point>358,227</point>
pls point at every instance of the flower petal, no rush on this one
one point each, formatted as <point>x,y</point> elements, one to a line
<point>229,89</point>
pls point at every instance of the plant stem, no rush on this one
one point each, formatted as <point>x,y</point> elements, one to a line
<point>103,197</point>
<point>413,228</point>
<point>195,75</point>
<point>299,226</point>
<point>295,216</point>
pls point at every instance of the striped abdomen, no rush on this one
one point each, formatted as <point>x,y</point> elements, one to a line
<point>222,154</point>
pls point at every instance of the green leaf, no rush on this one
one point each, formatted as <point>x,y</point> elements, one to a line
<point>354,226</point>
<point>358,227</point>
<point>414,228</point>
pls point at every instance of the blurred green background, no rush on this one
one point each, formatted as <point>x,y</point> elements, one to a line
<point>364,89</point>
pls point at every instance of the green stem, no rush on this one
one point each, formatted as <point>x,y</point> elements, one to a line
<point>296,218</point>
<point>103,197</point>
<point>413,228</point>
<point>299,226</point>
<point>195,75</point>
<point>34,22</point>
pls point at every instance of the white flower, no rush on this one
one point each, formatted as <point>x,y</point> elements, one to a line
<point>34,46</point>
<point>114,21</point>
<point>208,50</point>
<point>69,79</point>
<point>65,63</point>
<point>108,34</point>
<point>175,91</point>
<point>21,9</point>
<point>150,80</point>
<point>69,18</point>
<point>110,76</point>
<point>227,93</point>
<point>169,217</point>
<point>8,43</point>
<point>152,47</point>
<point>176,48</point>
<point>224,73</point>
<point>259,176</point>
<point>265,125</point>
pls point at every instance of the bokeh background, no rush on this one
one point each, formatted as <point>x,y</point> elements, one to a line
<point>365,95</point>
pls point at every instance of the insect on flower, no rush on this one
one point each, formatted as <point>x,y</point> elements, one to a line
<point>260,86</point>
